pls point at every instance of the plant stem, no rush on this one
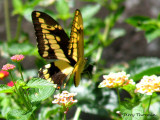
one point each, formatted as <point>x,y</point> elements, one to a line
<point>64,118</point>
<point>77,114</point>
<point>100,49</point>
<point>19,23</point>
<point>119,100</point>
<point>149,104</point>
<point>10,73</point>
<point>7,21</point>
<point>21,94</point>
<point>20,70</point>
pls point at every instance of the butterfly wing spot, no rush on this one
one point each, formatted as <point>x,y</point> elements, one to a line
<point>77,12</point>
<point>70,46</point>
<point>46,76</point>
<point>59,55</point>
<point>76,25</point>
<point>45,54</point>
<point>50,80</point>
<point>38,14</point>
<point>74,46</point>
<point>49,36</point>
<point>58,38</point>
<point>47,27</point>
<point>41,20</point>
<point>69,52</point>
<point>52,41</point>
<point>59,27</point>
<point>45,41</point>
<point>45,31</point>
<point>76,19</point>
<point>48,66</point>
<point>55,46</point>
<point>45,71</point>
<point>75,35</point>
<point>46,47</point>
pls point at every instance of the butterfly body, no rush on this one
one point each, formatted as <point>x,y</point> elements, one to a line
<point>53,43</point>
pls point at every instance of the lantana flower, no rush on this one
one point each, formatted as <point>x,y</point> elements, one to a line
<point>3,74</point>
<point>148,85</point>
<point>65,99</point>
<point>113,80</point>
<point>8,67</point>
<point>11,84</point>
<point>17,58</point>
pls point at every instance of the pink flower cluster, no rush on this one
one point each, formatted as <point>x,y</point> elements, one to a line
<point>7,67</point>
<point>17,58</point>
<point>11,84</point>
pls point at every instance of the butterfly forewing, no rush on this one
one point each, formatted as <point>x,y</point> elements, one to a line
<point>76,42</point>
<point>76,46</point>
<point>51,38</point>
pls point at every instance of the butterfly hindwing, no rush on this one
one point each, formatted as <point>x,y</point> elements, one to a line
<point>56,72</point>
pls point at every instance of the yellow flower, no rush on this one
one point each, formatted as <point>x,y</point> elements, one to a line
<point>148,85</point>
<point>114,80</point>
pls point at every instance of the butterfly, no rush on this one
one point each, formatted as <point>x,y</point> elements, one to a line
<point>67,54</point>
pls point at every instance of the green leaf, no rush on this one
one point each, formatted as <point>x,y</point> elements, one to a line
<point>39,83</point>
<point>39,94</point>
<point>89,11</point>
<point>152,34</point>
<point>6,89</point>
<point>49,111</point>
<point>21,48</point>
<point>19,114</point>
<point>63,9</point>
<point>132,113</point>
<point>143,66</point>
<point>130,89</point>
<point>5,104</point>
<point>18,7</point>
<point>137,20</point>
<point>40,89</point>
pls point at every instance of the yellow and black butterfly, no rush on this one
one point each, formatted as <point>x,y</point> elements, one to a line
<point>53,43</point>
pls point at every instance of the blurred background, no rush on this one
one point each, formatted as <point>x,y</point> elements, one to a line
<point>129,45</point>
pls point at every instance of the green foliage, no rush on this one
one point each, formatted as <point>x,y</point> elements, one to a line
<point>49,112</point>
<point>149,25</point>
<point>62,9</point>
<point>40,89</point>
<point>5,89</point>
<point>21,48</point>
<point>132,113</point>
<point>144,66</point>
<point>19,114</point>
